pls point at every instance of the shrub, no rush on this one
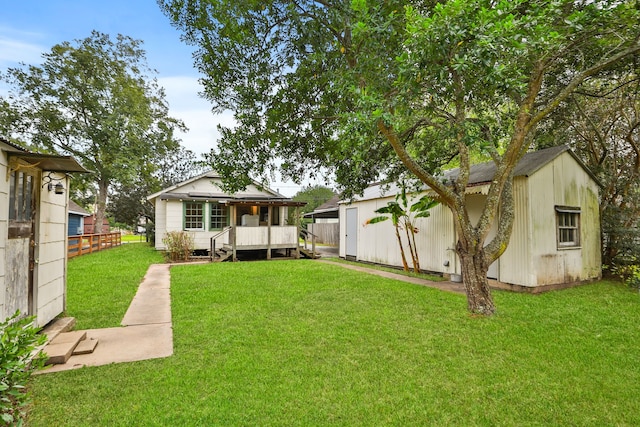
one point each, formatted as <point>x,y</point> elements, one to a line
<point>18,340</point>
<point>628,273</point>
<point>179,245</point>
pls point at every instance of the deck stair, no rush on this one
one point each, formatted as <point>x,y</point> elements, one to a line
<point>223,254</point>
<point>307,253</point>
<point>66,344</point>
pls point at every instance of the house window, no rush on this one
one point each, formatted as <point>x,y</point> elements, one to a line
<point>218,216</point>
<point>568,221</point>
<point>21,203</point>
<point>193,216</point>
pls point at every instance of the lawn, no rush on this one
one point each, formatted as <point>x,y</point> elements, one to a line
<point>310,343</point>
<point>101,285</point>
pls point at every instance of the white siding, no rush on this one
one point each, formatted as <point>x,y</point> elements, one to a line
<point>532,257</point>
<point>212,185</point>
<point>563,182</point>
<point>169,214</point>
<point>160,222</point>
<point>378,243</point>
<point>516,264</point>
<point>4,215</point>
<point>51,273</point>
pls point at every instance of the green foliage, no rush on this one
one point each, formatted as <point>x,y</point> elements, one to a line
<point>18,340</point>
<point>179,244</point>
<point>314,196</point>
<point>129,204</point>
<point>628,272</point>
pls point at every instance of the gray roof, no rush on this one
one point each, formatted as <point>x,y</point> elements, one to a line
<point>76,209</point>
<point>483,173</point>
<point>530,163</point>
<point>328,209</point>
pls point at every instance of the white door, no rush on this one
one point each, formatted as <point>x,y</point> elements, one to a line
<point>351,247</point>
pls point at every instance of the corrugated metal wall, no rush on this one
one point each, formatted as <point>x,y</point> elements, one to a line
<point>515,264</point>
<point>532,257</point>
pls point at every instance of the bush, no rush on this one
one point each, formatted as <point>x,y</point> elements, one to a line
<point>179,245</point>
<point>628,273</point>
<point>18,340</point>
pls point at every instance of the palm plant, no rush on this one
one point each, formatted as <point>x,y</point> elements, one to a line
<point>403,217</point>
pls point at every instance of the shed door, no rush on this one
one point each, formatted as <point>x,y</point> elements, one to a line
<point>20,253</point>
<point>351,247</point>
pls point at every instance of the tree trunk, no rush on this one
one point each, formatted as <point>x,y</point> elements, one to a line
<point>474,277</point>
<point>412,249</point>
<point>404,258</point>
<point>101,206</point>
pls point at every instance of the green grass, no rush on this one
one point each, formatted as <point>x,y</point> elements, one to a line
<point>134,238</point>
<point>308,343</point>
<point>101,285</point>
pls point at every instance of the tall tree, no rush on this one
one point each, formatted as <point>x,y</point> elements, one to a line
<point>129,200</point>
<point>94,100</point>
<point>369,89</point>
<point>314,195</point>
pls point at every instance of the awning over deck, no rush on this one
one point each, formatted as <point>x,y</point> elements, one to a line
<point>263,202</point>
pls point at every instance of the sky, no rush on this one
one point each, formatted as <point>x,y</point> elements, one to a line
<point>29,28</point>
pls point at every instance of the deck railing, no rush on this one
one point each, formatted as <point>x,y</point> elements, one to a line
<point>89,243</point>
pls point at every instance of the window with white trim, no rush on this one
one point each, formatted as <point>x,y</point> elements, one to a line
<point>568,226</point>
<point>218,217</point>
<point>194,216</point>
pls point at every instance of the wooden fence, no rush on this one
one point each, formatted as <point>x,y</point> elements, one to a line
<point>89,243</point>
<point>327,233</point>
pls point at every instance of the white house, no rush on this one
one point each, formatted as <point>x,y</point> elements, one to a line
<point>250,220</point>
<point>556,232</point>
<point>33,231</point>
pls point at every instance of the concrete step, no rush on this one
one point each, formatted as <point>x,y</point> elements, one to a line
<point>58,326</point>
<point>60,349</point>
<point>86,346</point>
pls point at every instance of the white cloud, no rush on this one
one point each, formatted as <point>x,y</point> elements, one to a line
<point>195,112</point>
<point>16,47</point>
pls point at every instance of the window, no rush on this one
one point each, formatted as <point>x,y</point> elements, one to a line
<point>568,221</point>
<point>193,216</point>
<point>218,216</point>
<point>20,204</point>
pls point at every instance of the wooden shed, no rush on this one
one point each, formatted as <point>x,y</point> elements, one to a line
<point>556,232</point>
<point>33,231</point>
<point>77,216</point>
<point>251,220</point>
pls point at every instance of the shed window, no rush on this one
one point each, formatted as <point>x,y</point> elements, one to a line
<point>21,200</point>
<point>568,221</point>
<point>193,216</point>
<point>218,216</point>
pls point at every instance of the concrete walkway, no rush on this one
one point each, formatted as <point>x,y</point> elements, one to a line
<point>146,333</point>
<point>454,287</point>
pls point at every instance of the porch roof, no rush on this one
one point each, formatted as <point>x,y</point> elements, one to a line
<point>225,199</point>
<point>263,202</point>
<point>49,162</point>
